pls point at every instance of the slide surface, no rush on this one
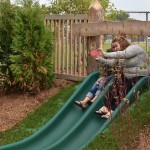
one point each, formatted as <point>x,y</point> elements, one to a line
<point>71,128</point>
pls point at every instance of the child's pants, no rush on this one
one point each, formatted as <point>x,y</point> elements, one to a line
<point>97,88</point>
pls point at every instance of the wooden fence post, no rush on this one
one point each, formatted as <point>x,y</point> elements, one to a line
<point>95,14</point>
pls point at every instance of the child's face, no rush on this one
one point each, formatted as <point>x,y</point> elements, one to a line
<point>116,46</point>
<point>113,47</point>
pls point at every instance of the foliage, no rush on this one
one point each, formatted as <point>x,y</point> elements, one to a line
<point>116,15</point>
<point>81,7</point>
<point>72,6</point>
<point>31,60</point>
<point>7,16</point>
<point>25,46</point>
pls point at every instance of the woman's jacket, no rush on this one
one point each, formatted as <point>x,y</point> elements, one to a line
<point>133,59</point>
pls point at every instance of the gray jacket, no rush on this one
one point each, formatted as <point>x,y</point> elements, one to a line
<point>134,60</point>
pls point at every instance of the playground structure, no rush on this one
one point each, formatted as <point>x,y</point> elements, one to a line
<point>65,128</point>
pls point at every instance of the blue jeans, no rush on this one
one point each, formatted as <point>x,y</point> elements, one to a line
<point>97,88</point>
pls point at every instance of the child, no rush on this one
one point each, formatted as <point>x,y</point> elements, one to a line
<point>94,92</point>
<point>97,87</point>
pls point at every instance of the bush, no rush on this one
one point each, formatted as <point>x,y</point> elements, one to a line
<point>32,47</point>
<point>7,16</point>
<point>26,47</point>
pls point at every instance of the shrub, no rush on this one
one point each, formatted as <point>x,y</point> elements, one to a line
<point>32,46</point>
<point>7,16</point>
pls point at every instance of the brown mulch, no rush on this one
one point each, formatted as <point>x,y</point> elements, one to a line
<point>15,107</point>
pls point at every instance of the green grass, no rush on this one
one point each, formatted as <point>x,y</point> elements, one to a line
<point>122,132</point>
<point>38,118</point>
<point>107,46</point>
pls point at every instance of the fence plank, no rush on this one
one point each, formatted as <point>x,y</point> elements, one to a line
<point>67,17</point>
<point>62,46</point>
<point>112,28</point>
<point>67,45</point>
<point>85,51</point>
<point>71,46</point>
<point>84,55</point>
<point>58,47</point>
<point>55,46</point>
<point>75,54</point>
<point>79,54</point>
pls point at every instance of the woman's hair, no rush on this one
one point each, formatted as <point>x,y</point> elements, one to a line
<point>124,43</point>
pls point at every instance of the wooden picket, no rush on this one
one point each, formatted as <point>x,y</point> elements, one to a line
<point>70,53</point>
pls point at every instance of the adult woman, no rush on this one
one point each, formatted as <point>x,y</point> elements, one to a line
<point>133,61</point>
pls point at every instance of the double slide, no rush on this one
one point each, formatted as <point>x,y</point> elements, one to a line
<point>71,128</point>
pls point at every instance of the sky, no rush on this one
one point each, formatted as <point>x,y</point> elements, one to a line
<point>127,5</point>
<point>132,5</point>
<point>46,2</point>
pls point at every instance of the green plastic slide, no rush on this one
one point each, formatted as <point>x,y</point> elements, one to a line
<point>71,128</point>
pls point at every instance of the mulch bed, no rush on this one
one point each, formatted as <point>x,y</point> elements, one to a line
<point>15,106</point>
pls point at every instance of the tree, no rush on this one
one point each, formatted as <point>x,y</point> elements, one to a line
<point>32,46</point>
<point>116,15</point>
<point>7,17</point>
<point>72,6</point>
<point>81,7</point>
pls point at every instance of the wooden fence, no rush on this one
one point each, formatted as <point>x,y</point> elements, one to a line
<point>76,35</point>
<point>71,59</point>
<point>70,53</point>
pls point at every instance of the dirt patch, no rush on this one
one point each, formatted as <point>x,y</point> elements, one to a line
<point>15,107</point>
